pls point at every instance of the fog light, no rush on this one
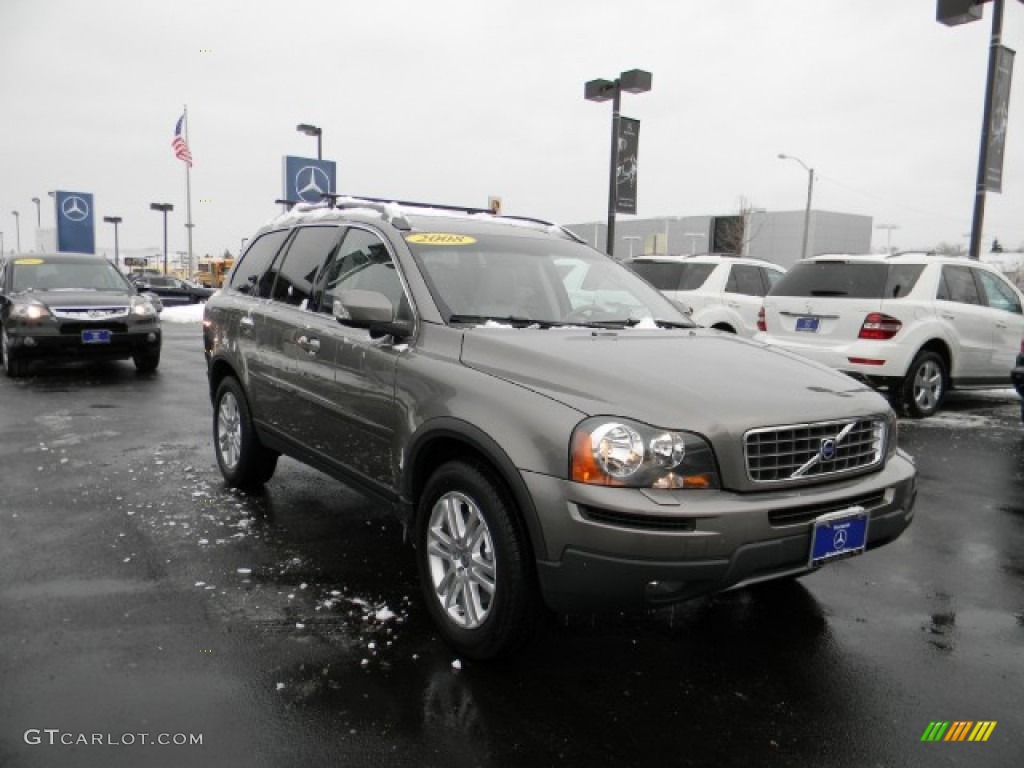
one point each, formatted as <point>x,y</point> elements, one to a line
<point>29,341</point>
<point>151,337</point>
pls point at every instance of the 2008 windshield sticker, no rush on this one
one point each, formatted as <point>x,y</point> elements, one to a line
<point>440,238</point>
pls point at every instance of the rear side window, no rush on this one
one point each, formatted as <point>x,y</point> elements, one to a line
<point>745,280</point>
<point>306,256</point>
<point>663,275</point>
<point>834,278</point>
<point>958,285</point>
<point>251,274</point>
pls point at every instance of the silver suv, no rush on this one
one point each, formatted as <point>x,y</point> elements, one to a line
<point>549,438</point>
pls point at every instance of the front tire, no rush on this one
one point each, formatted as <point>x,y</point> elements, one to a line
<point>474,562</point>
<point>924,387</point>
<point>146,362</point>
<point>14,367</point>
<point>243,460</point>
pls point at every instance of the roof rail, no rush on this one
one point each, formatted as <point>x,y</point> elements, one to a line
<point>391,210</point>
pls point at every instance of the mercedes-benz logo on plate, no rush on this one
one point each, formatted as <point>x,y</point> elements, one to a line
<point>74,208</point>
<point>840,538</point>
<point>311,182</point>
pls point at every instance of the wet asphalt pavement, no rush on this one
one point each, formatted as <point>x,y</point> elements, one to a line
<point>142,601</point>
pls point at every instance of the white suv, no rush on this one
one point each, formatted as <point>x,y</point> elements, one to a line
<point>915,324</point>
<point>722,292</point>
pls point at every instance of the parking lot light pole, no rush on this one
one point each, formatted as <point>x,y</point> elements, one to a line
<point>115,220</point>
<point>163,208</point>
<point>39,215</point>
<point>313,130</point>
<point>888,239</point>
<point>633,81</point>
<point>17,227</point>
<point>810,192</point>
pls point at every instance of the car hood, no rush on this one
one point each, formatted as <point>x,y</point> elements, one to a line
<point>700,380</point>
<point>77,298</point>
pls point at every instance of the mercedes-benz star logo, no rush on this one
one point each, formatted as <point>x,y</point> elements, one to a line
<point>840,538</point>
<point>311,182</point>
<point>74,208</point>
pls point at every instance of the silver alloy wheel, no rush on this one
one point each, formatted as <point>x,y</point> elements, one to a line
<point>460,554</point>
<point>229,431</point>
<point>928,385</point>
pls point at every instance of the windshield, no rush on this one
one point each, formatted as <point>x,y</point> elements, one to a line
<point>38,274</point>
<point>523,280</point>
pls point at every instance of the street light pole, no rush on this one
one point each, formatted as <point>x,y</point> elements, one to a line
<point>163,208</point>
<point>115,220</point>
<point>888,241</point>
<point>39,216</point>
<point>633,81</point>
<point>810,193</point>
<point>17,226</point>
<point>313,130</point>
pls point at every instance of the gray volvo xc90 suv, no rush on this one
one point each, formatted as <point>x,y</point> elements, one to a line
<point>551,429</point>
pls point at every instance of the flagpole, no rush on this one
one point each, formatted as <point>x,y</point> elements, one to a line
<point>188,200</point>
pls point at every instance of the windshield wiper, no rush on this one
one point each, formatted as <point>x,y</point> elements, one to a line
<point>513,320</point>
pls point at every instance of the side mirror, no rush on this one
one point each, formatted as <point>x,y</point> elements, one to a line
<point>371,310</point>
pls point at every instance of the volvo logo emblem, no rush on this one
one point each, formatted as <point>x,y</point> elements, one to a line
<point>310,183</point>
<point>74,208</point>
<point>827,450</point>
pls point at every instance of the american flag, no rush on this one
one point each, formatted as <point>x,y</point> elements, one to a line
<point>181,150</point>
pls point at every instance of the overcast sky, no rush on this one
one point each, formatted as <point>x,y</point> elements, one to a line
<point>455,100</point>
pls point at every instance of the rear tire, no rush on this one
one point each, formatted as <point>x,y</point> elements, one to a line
<point>474,563</point>
<point>243,460</point>
<point>924,387</point>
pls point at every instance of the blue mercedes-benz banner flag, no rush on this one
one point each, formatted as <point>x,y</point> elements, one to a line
<point>306,179</point>
<point>76,224</point>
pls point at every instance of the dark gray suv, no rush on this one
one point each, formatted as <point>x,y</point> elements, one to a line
<point>551,428</point>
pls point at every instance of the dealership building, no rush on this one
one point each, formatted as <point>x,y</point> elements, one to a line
<point>775,236</point>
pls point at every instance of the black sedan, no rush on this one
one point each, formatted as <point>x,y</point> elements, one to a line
<point>172,291</point>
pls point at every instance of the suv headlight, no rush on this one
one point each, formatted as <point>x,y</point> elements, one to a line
<point>622,452</point>
<point>29,310</point>
<point>142,307</point>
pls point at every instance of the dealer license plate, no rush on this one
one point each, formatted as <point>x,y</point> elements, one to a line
<point>97,336</point>
<point>838,535</point>
<point>807,324</point>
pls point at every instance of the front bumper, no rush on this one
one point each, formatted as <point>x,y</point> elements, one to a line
<point>51,344</point>
<point>626,549</point>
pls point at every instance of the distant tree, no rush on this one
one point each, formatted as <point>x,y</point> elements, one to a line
<point>948,249</point>
<point>997,247</point>
<point>227,254</point>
